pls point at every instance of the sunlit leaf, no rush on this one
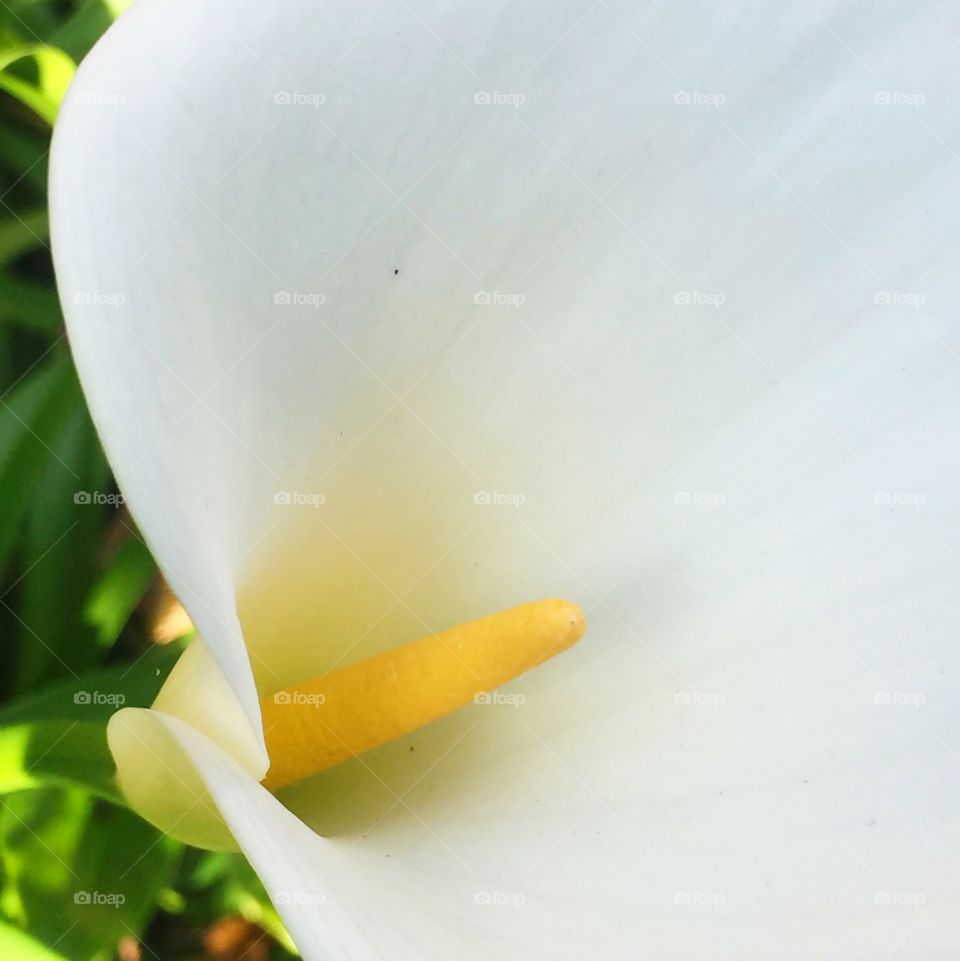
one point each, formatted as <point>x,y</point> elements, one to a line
<point>57,753</point>
<point>59,736</point>
<point>14,943</point>
<point>54,71</point>
<point>32,822</point>
<point>119,590</point>
<point>79,873</point>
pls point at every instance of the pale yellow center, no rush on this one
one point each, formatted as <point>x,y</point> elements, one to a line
<point>320,723</point>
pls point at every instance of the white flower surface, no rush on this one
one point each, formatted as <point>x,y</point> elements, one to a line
<point>409,312</point>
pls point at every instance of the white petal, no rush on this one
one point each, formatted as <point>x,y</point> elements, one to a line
<point>156,777</point>
<point>333,904</point>
<point>754,497</point>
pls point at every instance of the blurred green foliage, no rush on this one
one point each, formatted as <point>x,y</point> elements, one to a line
<point>81,877</point>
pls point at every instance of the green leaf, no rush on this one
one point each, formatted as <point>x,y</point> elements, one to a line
<point>119,590</point>
<point>32,416</point>
<point>27,19</point>
<point>57,753</point>
<point>39,834</point>
<point>132,685</point>
<point>23,154</point>
<point>61,542</point>
<point>78,873</point>
<point>78,34</point>
<point>54,71</point>
<point>23,232</point>
<point>30,306</point>
<point>16,944</point>
<point>59,736</point>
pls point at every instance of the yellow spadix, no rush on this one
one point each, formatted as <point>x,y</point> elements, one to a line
<point>317,724</point>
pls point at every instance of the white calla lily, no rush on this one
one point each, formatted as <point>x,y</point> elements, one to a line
<point>393,314</point>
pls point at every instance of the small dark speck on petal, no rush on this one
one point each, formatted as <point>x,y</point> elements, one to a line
<point>396,270</point>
